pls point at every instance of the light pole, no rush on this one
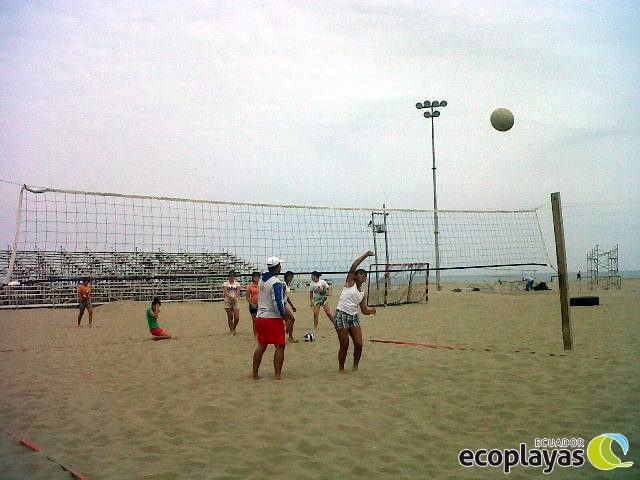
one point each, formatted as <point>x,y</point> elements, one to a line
<point>433,113</point>
<point>380,228</point>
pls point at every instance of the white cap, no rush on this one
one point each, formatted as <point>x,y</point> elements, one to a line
<point>273,261</point>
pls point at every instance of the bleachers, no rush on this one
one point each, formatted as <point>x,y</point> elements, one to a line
<point>51,278</point>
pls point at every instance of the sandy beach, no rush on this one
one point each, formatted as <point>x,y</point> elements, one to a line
<point>111,403</point>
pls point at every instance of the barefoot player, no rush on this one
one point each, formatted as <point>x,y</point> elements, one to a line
<point>152,318</point>
<point>84,301</point>
<point>231,291</point>
<point>319,292</point>
<point>270,318</point>
<point>289,318</point>
<point>252,299</point>
<point>351,300</point>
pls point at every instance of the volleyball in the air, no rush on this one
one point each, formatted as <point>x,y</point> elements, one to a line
<point>502,119</point>
<point>309,337</point>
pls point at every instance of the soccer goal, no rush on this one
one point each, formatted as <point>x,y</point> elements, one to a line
<point>397,283</point>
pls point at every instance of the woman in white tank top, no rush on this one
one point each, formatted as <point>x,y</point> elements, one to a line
<point>231,291</point>
<point>347,323</point>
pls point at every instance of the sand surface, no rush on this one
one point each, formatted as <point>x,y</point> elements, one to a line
<point>113,404</point>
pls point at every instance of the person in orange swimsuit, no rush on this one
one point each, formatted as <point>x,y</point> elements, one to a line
<point>252,299</point>
<point>84,301</point>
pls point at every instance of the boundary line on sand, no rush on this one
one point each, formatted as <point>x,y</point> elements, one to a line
<point>448,347</point>
<point>32,446</point>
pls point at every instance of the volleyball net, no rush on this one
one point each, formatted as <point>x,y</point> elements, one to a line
<point>68,234</point>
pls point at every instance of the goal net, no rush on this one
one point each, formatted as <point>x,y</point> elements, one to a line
<point>397,283</point>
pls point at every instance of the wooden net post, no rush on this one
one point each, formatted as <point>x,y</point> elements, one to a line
<point>561,256</point>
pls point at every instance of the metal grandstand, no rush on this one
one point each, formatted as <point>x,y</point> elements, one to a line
<point>50,278</point>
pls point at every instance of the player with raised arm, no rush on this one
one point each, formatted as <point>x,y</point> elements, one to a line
<point>351,300</point>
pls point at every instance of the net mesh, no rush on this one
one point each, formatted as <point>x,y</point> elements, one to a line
<point>306,238</point>
<point>136,247</point>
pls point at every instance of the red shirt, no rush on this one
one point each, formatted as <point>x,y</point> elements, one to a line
<point>252,293</point>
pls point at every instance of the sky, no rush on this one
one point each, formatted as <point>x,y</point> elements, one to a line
<point>314,103</point>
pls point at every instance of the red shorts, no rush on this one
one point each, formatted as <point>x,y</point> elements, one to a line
<point>157,331</point>
<point>270,331</point>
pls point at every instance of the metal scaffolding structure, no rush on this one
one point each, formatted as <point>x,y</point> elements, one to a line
<point>602,268</point>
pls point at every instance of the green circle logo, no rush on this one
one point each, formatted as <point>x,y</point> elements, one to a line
<point>600,454</point>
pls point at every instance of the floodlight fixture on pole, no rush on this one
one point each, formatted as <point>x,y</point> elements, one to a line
<point>432,113</point>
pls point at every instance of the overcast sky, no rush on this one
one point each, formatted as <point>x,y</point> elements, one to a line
<point>314,103</point>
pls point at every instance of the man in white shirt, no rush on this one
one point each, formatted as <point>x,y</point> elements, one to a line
<point>528,283</point>
<point>270,318</point>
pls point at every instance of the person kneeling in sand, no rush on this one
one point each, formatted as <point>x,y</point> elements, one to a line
<point>270,318</point>
<point>347,324</point>
<point>152,318</point>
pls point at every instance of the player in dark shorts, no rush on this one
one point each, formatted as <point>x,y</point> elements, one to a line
<point>289,319</point>
<point>252,299</point>
<point>84,301</point>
